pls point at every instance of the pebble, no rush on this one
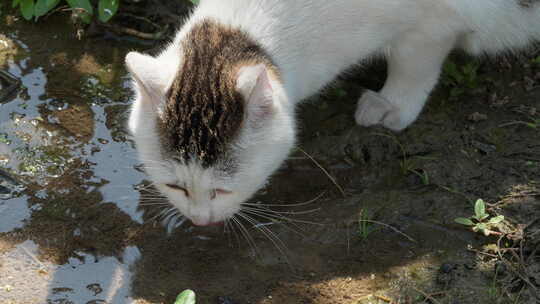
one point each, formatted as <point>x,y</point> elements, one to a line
<point>447,267</point>
<point>225,300</point>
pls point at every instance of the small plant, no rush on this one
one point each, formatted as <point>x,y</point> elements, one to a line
<point>365,225</point>
<point>408,165</point>
<point>480,222</point>
<point>424,176</point>
<point>460,78</point>
<point>185,297</point>
<point>81,8</point>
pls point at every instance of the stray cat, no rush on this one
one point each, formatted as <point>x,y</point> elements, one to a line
<point>214,114</point>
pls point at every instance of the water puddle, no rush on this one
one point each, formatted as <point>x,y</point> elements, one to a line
<point>84,279</point>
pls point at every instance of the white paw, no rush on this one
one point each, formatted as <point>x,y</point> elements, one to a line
<point>374,109</point>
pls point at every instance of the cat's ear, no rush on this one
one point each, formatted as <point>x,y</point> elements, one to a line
<point>149,74</point>
<point>254,84</point>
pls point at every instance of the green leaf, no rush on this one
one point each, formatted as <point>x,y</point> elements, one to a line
<point>107,9</point>
<point>186,297</point>
<point>464,221</point>
<point>14,3</point>
<point>195,2</point>
<point>27,9</point>
<point>480,209</point>
<point>83,8</point>
<point>44,6</point>
<point>496,220</point>
<point>481,226</point>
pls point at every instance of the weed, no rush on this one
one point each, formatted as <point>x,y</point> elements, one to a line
<point>406,164</point>
<point>186,297</point>
<point>424,176</point>
<point>533,123</point>
<point>480,221</point>
<point>365,225</point>
<point>460,78</point>
<point>82,9</point>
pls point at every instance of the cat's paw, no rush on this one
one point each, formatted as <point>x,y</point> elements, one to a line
<point>374,109</point>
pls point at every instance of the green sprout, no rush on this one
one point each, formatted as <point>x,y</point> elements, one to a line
<point>481,221</point>
<point>365,225</point>
<point>185,297</point>
<point>460,78</point>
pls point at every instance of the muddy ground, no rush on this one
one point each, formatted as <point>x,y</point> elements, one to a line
<point>76,225</point>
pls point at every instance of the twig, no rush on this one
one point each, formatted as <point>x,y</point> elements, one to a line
<point>391,227</point>
<point>42,266</point>
<point>427,296</point>
<point>133,32</point>
<point>325,172</point>
<point>510,266</point>
<point>482,252</point>
<point>385,299</point>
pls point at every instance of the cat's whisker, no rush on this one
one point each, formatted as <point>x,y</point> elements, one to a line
<point>278,216</point>
<point>173,221</point>
<point>164,212</point>
<point>246,235</point>
<point>290,205</point>
<point>291,212</point>
<point>275,220</point>
<point>278,243</point>
<point>153,204</point>
<point>146,197</point>
<point>152,196</point>
<point>231,227</point>
<point>154,200</point>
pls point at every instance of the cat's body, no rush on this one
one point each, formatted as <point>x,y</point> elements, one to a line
<point>248,63</point>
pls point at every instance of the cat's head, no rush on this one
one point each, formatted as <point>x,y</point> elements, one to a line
<point>209,136</point>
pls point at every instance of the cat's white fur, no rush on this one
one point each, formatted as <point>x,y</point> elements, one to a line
<point>311,42</point>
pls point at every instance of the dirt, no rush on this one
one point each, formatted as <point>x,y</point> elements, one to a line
<point>83,230</point>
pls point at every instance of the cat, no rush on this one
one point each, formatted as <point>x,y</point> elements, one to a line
<point>214,112</point>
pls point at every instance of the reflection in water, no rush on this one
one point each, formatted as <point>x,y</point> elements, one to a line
<point>13,212</point>
<point>81,280</point>
<point>66,236</point>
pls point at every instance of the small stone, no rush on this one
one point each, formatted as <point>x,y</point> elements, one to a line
<point>500,268</point>
<point>477,116</point>
<point>447,267</point>
<point>225,300</point>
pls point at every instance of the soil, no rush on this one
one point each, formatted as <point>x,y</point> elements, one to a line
<point>76,226</point>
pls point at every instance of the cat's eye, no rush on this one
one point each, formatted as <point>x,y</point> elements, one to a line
<point>217,192</point>
<point>178,188</point>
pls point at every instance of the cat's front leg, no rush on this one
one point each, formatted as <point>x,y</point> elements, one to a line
<point>414,64</point>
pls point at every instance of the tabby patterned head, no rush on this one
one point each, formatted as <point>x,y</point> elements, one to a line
<point>210,120</point>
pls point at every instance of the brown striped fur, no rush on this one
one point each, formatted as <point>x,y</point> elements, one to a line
<point>204,111</point>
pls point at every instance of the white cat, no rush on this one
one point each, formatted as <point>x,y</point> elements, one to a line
<point>214,112</point>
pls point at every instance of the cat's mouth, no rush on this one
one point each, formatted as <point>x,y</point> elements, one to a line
<point>211,224</point>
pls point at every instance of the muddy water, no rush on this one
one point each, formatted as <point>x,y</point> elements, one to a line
<point>74,226</point>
